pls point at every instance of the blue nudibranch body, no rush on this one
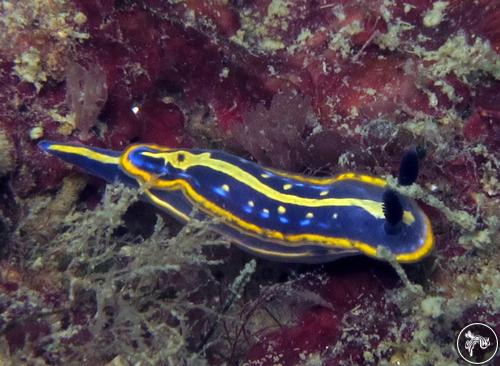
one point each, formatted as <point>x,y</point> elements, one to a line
<point>270,213</point>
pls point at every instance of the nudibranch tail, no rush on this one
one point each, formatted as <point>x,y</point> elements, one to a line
<point>272,214</point>
<point>102,163</point>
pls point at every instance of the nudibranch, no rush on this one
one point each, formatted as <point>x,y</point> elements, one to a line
<point>270,213</point>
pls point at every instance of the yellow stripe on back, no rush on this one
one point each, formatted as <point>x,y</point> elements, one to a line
<point>85,152</point>
<point>205,159</point>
